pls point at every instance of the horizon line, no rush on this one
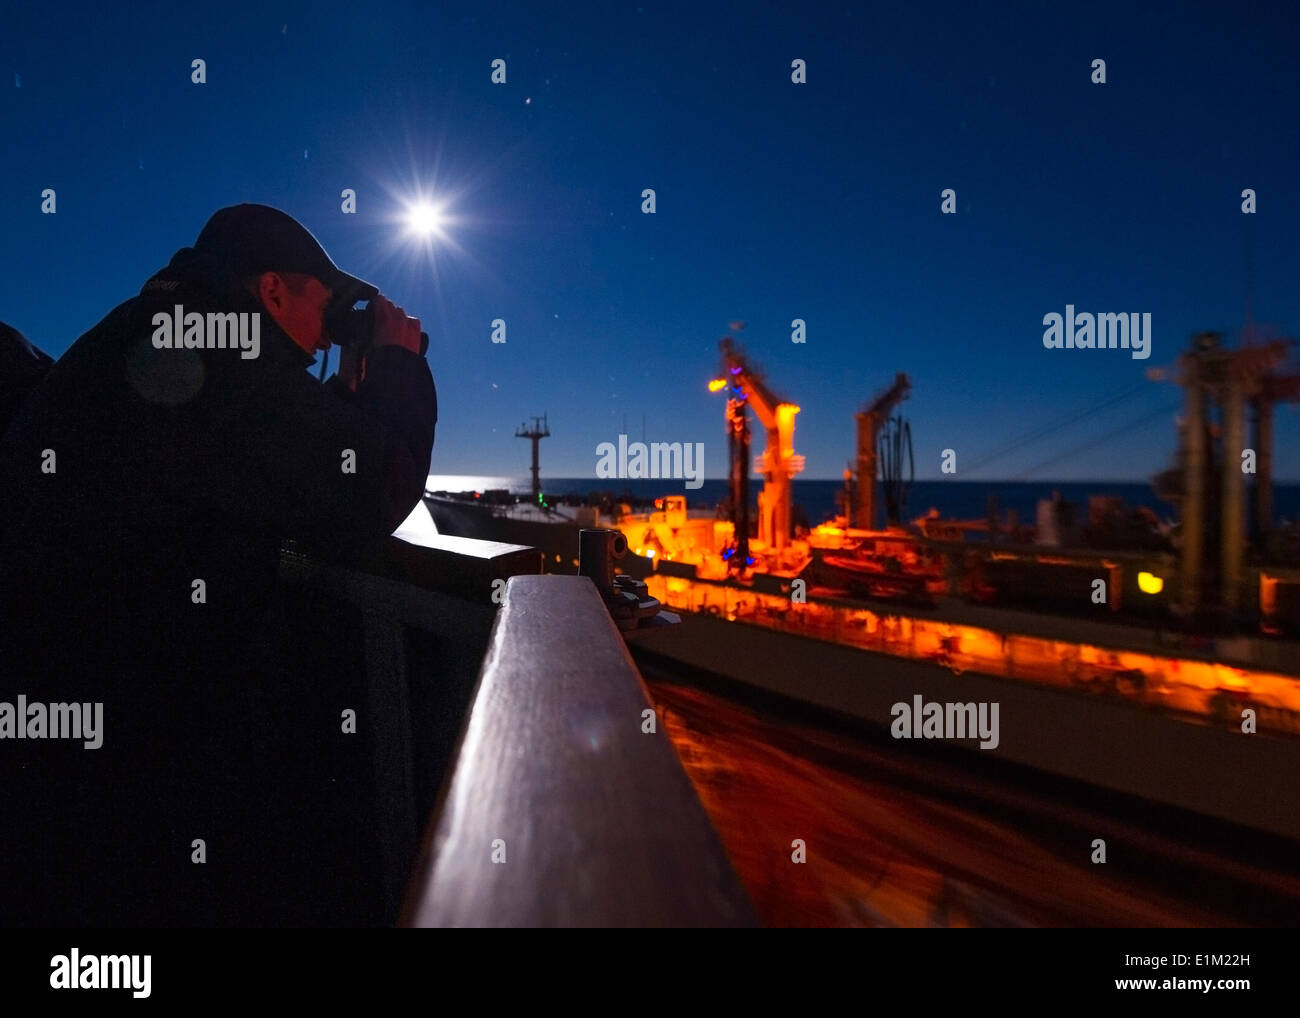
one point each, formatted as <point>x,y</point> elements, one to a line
<point>839,480</point>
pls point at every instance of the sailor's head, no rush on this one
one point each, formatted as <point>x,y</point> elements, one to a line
<point>278,260</point>
<point>297,302</point>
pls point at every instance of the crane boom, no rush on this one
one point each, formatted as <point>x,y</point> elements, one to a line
<point>870,419</point>
<point>779,463</point>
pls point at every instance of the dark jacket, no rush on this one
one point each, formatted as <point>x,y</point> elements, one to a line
<point>171,466</point>
<point>22,366</point>
<point>174,465</point>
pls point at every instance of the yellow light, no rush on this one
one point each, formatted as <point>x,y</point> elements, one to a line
<point>716,384</point>
<point>1149,583</point>
<point>649,553</point>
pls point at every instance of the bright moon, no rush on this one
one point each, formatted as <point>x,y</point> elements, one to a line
<point>425,220</point>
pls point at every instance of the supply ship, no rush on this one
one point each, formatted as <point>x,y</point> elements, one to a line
<point>1195,619</point>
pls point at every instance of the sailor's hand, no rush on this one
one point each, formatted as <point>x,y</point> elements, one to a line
<point>393,327</point>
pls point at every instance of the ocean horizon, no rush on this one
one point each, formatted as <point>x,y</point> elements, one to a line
<point>815,500</point>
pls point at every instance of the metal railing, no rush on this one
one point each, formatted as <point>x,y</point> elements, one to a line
<point>507,721</point>
<point>566,806</point>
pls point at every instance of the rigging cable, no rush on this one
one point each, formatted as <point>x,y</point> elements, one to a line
<point>1034,436</point>
<point>1171,408</point>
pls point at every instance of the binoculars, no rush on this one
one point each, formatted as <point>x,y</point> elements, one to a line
<point>350,326</point>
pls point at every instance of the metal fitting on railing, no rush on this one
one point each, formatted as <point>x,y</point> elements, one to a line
<point>628,600</point>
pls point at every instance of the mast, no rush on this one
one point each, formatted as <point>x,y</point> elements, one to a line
<point>537,432</point>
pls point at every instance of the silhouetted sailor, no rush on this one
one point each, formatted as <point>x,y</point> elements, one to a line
<point>148,482</point>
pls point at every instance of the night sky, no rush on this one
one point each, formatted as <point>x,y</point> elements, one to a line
<point>776,201</point>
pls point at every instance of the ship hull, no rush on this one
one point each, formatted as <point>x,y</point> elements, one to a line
<point>1081,738</point>
<point>557,541</point>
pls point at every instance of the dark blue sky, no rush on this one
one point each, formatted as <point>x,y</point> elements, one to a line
<point>775,201</point>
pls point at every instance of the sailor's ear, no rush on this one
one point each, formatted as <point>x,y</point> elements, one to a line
<point>269,289</point>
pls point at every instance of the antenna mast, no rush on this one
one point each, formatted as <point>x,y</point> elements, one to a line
<point>537,432</point>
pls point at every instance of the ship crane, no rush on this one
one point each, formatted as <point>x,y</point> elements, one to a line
<point>870,421</point>
<point>1232,381</point>
<point>778,463</point>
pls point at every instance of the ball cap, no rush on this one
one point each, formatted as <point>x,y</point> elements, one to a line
<point>251,239</point>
